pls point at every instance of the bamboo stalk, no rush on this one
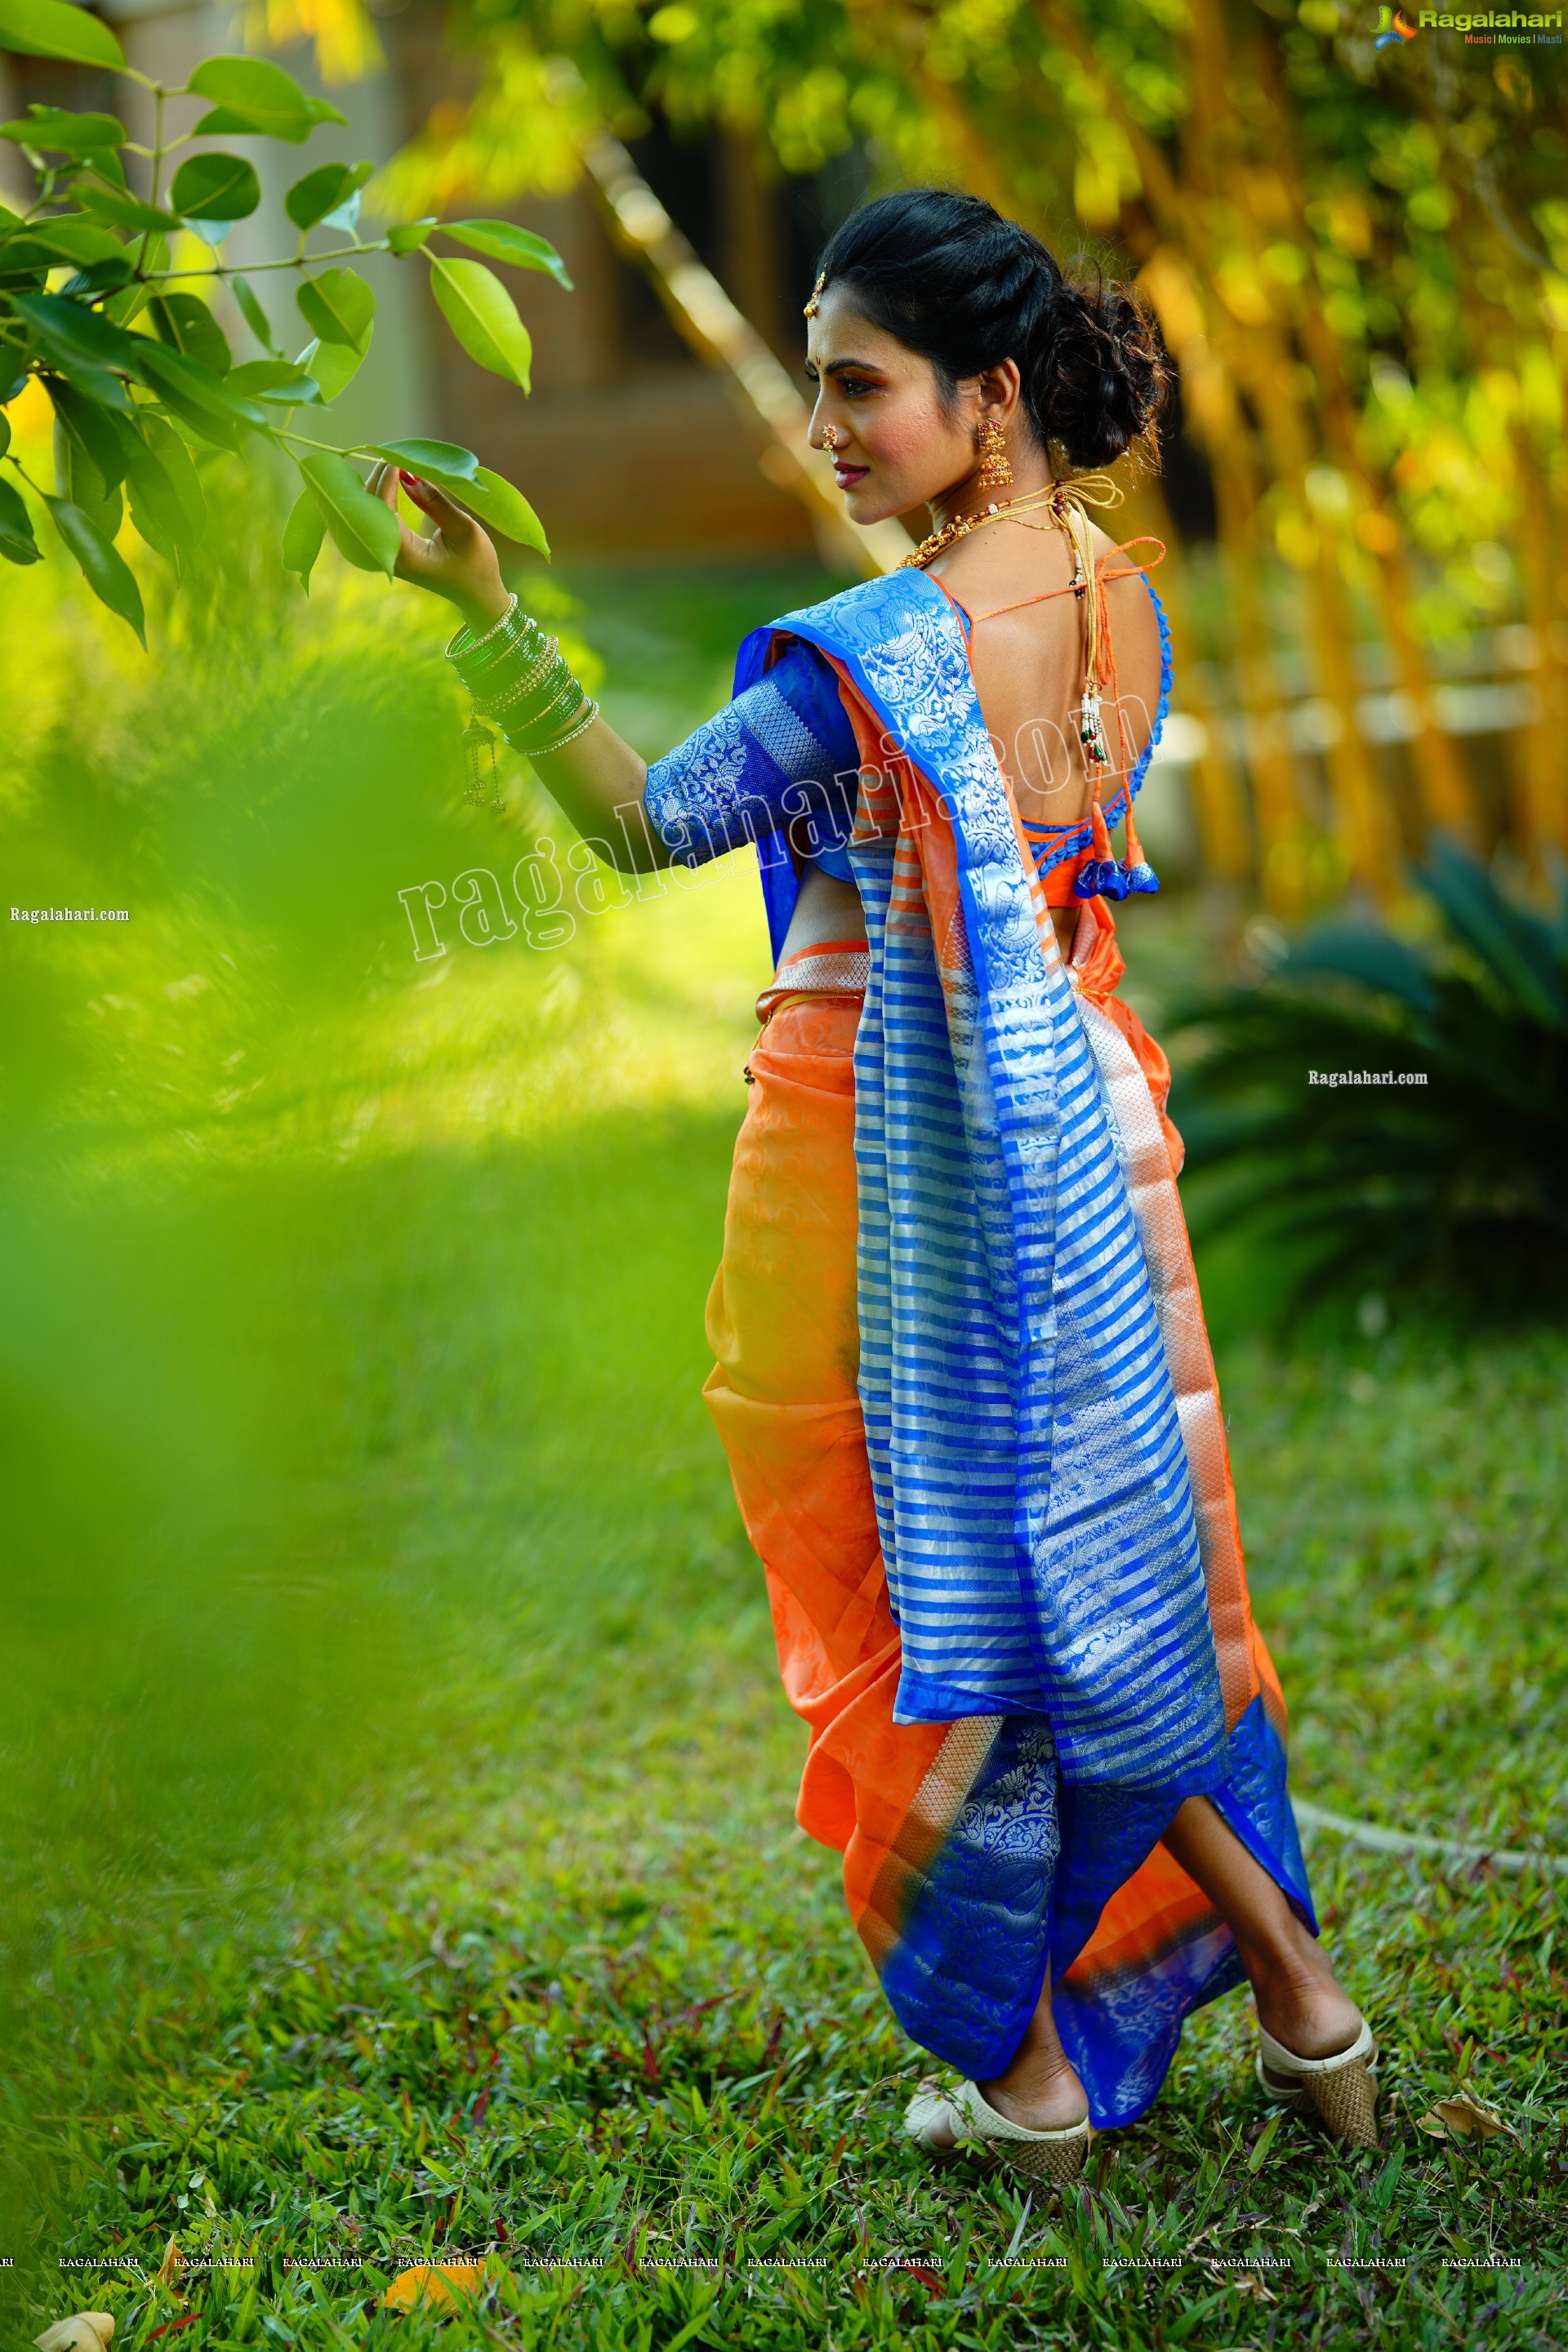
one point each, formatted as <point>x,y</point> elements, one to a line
<point>1540,798</point>
<point>1219,799</point>
<point>705,316</point>
<point>1442,780</point>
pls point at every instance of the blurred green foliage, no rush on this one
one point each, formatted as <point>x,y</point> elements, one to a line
<point>1449,1182</point>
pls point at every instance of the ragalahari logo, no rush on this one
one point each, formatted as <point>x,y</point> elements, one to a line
<point>1392,29</point>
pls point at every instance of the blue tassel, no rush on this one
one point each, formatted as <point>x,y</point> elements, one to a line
<point>1091,877</point>
<point>1141,877</point>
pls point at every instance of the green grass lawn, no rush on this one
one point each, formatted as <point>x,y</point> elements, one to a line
<point>397,1825</point>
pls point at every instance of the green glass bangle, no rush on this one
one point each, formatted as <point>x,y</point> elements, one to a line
<point>543,723</point>
<point>499,658</point>
<point>503,694</point>
<point>456,651</point>
<point>530,707</point>
<point>581,727</point>
<point>547,719</point>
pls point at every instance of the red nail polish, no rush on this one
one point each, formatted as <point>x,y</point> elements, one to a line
<point>410,481</point>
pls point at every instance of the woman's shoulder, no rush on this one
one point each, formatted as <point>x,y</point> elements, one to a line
<point>866,613</point>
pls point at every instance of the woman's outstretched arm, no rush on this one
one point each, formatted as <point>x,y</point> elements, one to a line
<point>595,775</point>
<point>783,750</point>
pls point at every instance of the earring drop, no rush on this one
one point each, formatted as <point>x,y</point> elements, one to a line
<point>996,473</point>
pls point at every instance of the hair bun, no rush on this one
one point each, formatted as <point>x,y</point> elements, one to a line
<point>967,290</point>
<point>1100,376</point>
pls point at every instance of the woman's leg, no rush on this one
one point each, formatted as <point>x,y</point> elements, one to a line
<point>1292,1980</point>
<point>1039,2089</point>
<point>1289,1972</point>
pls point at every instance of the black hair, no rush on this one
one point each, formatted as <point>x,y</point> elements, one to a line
<point>965,289</point>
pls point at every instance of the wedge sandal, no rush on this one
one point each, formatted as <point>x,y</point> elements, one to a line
<point>974,2122</point>
<point>1341,2090</point>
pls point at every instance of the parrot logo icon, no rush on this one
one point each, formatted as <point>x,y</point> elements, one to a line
<point>1392,29</point>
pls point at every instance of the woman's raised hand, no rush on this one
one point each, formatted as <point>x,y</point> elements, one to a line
<point>455,560</point>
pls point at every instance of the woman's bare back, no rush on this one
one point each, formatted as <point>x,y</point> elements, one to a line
<point>1028,664</point>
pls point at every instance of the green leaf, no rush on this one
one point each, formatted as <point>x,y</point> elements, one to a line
<point>493,500</point>
<point>68,237</point>
<point>104,567</point>
<point>279,381</point>
<point>56,127</point>
<point>185,322</point>
<point>408,236</point>
<point>157,507</point>
<point>302,536</point>
<point>83,344</point>
<point>364,531</point>
<point>91,429</point>
<point>321,109</point>
<point>339,307</point>
<point>255,316</point>
<point>4,433</point>
<point>105,276</point>
<point>321,192</point>
<point>332,364</point>
<point>504,241</point>
<point>215,188</point>
<point>106,163</point>
<point>180,470</point>
<point>77,478</point>
<point>195,394</point>
<point>496,502</point>
<point>483,317</point>
<point>1265,2141</point>
<point>125,212</point>
<point>132,300</point>
<point>446,456</point>
<point>251,94</point>
<point>47,28</point>
<point>17,544</point>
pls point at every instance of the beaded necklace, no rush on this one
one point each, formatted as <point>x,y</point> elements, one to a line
<point>1066,509</point>
<point>999,510</point>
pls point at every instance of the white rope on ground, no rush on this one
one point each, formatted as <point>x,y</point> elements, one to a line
<point>1550,1866</point>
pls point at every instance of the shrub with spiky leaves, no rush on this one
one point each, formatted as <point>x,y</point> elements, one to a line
<point>136,366</point>
<point>1440,1169</point>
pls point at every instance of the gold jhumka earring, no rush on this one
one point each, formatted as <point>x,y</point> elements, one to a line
<point>996,473</point>
<point>810,310</point>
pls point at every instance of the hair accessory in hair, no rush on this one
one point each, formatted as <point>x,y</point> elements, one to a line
<point>811,308</point>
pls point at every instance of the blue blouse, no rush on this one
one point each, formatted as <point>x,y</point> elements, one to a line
<point>783,750</point>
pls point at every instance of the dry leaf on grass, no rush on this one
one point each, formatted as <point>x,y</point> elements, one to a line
<point>84,2331</point>
<point>435,2286</point>
<point>168,2271</point>
<point>1465,2117</point>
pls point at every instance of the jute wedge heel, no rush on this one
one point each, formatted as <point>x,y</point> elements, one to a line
<point>1342,2090</point>
<point>974,2122</point>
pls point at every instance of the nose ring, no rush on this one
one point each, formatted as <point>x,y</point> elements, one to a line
<point>830,438</point>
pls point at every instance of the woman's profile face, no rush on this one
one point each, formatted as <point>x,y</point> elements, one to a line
<point>897,443</point>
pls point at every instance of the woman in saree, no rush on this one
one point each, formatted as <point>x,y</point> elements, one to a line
<point>961,1369</point>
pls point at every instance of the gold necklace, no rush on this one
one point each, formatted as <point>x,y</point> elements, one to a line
<point>999,510</point>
